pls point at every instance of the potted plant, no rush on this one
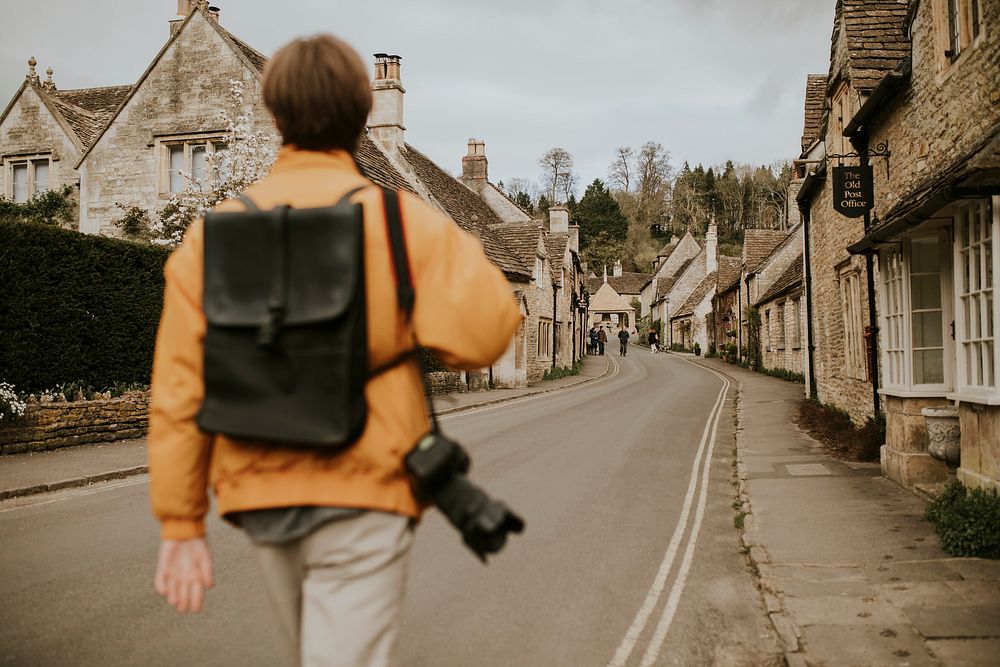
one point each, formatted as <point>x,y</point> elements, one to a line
<point>697,350</point>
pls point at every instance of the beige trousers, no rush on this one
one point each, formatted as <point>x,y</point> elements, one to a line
<point>337,592</point>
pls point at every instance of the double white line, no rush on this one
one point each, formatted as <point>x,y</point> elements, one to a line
<point>697,484</point>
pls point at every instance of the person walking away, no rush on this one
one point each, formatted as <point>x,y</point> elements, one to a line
<point>331,532</point>
<point>602,338</point>
<point>593,339</point>
<point>654,340</point>
<point>623,339</point>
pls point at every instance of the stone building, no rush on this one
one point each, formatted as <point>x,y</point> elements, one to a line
<point>934,227</point>
<point>869,41</point>
<point>783,319</point>
<point>670,263</point>
<point>139,145</point>
<point>627,284</point>
<point>45,130</point>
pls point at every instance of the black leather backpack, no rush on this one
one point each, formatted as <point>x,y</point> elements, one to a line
<point>286,346</point>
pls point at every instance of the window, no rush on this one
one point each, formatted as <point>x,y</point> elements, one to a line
<point>780,321</point>
<point>192,162</point>
<point>767,330</point>
<point>545,338</point>
<point>27,178</point>
<point>854,345</point>
<point>796,329</point>
<point>538,269</point>
<point>893,325</point>
<point>975,317</point>
<point>842,114</point>
<point>959,24</point>
<point>926,312</point>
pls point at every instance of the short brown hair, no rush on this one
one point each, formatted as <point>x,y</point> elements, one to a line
<point>318,91</point>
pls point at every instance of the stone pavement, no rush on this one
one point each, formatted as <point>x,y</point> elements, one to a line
<point>850,572</point>
<point>40,472</point>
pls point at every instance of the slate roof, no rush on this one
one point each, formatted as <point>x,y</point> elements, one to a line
<point>627,283</point>
<point>730,270</point>
<point>256,58</point>
<point>470,212</point>
<point>789,280</point>
<point>608,300</point>
<point>521,237</point>
<point>375,165</point>
<point>758,244</point>
<point>876,38</point>
<point>696,297</point>
<point>812,123</point>
<point>86,110</point>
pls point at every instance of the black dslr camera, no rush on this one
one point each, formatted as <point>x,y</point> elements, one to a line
<point>437,467</point>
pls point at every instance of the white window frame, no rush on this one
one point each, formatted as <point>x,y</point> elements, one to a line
<point>213,143</point>
<point>974,393</point>
<point>30,162</point>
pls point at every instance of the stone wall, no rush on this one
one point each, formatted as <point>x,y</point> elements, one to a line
<point>980,465</point>
<point>541,310</point>
<point>183,94</point>
<point>786,350</point>
<point>54,425</point>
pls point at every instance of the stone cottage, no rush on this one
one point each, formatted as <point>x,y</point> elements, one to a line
<point>779,284</point>
<point>934,228</point>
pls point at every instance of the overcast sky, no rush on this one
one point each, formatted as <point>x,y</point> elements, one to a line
<point>709,79</point>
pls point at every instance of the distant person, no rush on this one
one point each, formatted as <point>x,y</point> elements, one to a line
<point>654,340</point>
<point>623,339</point>
<point>331,532</point>
<point>593,338</point>
<point>602,338</point>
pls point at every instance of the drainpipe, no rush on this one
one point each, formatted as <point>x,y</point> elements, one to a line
<point>810,347</point>
<point>860,143</point>
<point>555,325</point>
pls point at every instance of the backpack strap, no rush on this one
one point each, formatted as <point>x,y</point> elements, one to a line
<point>405,295</point>
<point>251,206</point>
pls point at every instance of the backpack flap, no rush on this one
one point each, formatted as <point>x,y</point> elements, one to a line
<point>298,266</point>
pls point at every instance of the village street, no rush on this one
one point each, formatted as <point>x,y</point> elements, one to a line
<point>609,476</point>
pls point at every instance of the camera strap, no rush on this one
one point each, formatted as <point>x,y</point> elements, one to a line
<point>405,294</point>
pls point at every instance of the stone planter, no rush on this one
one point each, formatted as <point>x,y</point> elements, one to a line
<point>943,434</point>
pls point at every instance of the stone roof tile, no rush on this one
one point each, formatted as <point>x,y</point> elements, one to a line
<point>730,270</point>
<point>758,244</point>
<point>875,37</point>
<point>812,123</point>
<point>789,280</point>
<point>696,297</point>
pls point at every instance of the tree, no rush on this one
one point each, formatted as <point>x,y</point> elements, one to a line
<point>620,171</point>
<point>557,173</point>
<point>543,205</point>
<point>602,251</point>
<point>654,175</point>
<point>523,199</point>
<point>599,212</point>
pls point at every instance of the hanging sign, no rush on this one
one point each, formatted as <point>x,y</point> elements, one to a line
<point>852,190</point>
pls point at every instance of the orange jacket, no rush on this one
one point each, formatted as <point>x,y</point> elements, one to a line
<point>465,311</point>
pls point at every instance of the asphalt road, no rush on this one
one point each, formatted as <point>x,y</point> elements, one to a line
<point>630,556</point>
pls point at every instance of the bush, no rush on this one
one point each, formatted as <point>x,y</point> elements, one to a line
<point>51,207</point>
<point>783,374</point>
<point>11,406</point>
<point>968,522</point>
<point>76,307</point>
<point>562,371</point>
<point>711,350</point>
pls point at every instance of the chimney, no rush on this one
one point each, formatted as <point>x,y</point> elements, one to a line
<point>616,270</point>
<point>574,238</point>
<point>386,119</point>
<point>214,12</point>
<point>711,248</point>
<point>474,166</point>
<point>184,7</point>
<point>605,273</point>
<point>559,219</point>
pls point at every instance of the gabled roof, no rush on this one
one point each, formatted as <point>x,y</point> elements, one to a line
<point>521,237</point>
<point>666,250</point>
<point>812,123</point>
<point>876,38</point>
<point>704,288</point>
<point>730,270</point>
<point>608,300</point>
<point>665,284</point>
<point>253,56</point>
<point>467,209</point>
<point>627,283</point>
<point>375,165</point>
<point>789,280</point>
<point>758,244</point>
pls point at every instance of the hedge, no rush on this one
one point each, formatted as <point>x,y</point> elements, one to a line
<point>76,307</point>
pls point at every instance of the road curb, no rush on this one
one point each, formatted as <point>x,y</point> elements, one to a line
<point>537,392</point>
<point>788,632</point>
<point>85,480</point>
<point>72,482</point>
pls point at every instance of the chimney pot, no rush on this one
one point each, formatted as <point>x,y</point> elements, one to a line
<point>475,165</point>
<point>386,120</point>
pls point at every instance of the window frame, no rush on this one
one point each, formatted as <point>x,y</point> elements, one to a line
<point>963,390</point>
<point>212,143</point>
<point>958,27</point>
<point>30,163</point>
<point>853,325</point>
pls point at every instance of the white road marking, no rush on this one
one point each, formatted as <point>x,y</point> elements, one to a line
<point>656,590</point>
<point>24,502</point>
<point>656,643</point>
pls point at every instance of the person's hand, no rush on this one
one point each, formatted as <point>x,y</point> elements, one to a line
<point>183,573</point>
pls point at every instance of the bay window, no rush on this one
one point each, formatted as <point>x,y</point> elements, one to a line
<point>975,276</point>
